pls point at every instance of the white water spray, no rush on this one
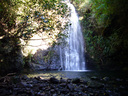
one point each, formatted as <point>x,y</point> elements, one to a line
<point>72,55</point>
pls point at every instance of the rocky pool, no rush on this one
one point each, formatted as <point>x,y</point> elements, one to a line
<point>65,83</point>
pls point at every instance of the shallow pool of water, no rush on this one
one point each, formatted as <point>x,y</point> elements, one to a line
<point>61,74</point>
<point>86,74</point>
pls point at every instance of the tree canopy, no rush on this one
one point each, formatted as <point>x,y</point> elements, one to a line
<point>105,25</point>
<point>20,19</point>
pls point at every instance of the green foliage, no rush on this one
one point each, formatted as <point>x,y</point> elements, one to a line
<point>48,56</point>
<point>27,60</point>
<point>20,19</point>
<point>104,25</point>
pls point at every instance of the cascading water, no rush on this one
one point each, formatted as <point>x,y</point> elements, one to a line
<point>72,55</point>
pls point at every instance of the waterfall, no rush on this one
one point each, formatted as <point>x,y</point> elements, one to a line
<point>72,55</point>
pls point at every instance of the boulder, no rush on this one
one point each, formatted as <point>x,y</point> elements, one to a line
<point>106,78</point>
<point>70,87</point>
<point>62,80</point>
<point>76,80</point>
<point>54,80</point>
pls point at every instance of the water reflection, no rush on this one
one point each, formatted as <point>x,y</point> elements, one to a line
<point>61,74</point>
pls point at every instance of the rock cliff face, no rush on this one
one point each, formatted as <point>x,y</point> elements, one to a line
<point>43,55</point>
<point>46,60</point>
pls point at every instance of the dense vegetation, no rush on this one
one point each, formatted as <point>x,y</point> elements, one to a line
<point>19,20</point>
<point>105,26</point>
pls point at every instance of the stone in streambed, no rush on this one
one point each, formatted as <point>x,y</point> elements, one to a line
<point>24,77</point>
<point>54,95</point>
<point>25,84</point>
<point>69,80</point>
<point>94,78</point>
<point>118,79</point>
<point>70,87</point>
<point>42,94</point>
<point>76,80</point>
<point>84,82</point>
<point>52,90</point>
<point>5,92</point>
<point>16,79</point>
<point>95,85</point>
<point>23,91</point>
<point>91,94</point>
<point>106,78</point>
<point>54,80</point>
<point>64,91</point>
<point>62,80</point>
<point>63,84</point>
